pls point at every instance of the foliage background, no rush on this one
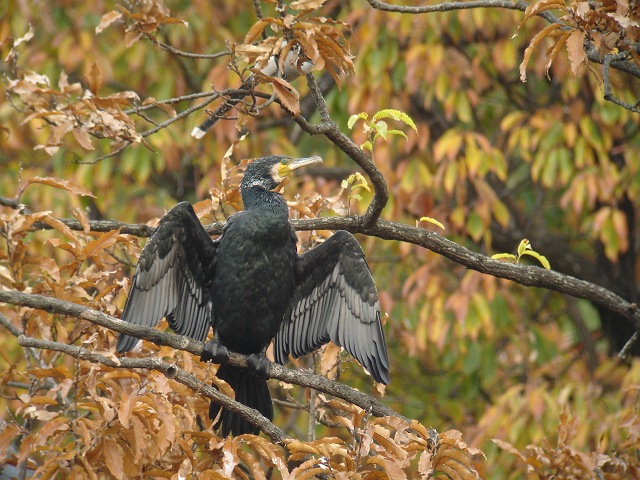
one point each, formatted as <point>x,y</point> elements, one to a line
<point>495,160</point>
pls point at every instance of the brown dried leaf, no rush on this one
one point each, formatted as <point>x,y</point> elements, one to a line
<point>296,446</point>
<point>83,139</point>
<point>256,30</point>
<point>57,372</point>
<point>113,456</point>
<point>452,457</point>
<point>307,5</point>
<point>287,94</point>
<point>126,406</point>
<point>63,184</point>
<point>107,19</point>
<point>555,49</point>
<point>577,54</point>
<point>535,41</point>
<point>509,448</point>
<point>42,400</point>
<point>82,218</point>
<point>166,108</point>
<point>105,240</point>
<point>95,78</point>
<point>542,6</point>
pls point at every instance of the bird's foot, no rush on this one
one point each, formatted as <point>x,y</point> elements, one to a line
<point>259,364</point>
<point>214,352</point>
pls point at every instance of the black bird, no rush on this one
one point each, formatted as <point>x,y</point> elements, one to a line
<point>251,285</point>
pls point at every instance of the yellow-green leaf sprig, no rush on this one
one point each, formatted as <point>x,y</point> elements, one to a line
<point>524,248</point>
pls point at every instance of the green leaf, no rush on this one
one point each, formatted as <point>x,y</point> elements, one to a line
<point>541,258</point>
<point>397,132</point>
<point>381,129</point>
<point>356,196</point>
<point>354,118</point>
<point>506,256</point>
<point>367,146</point>
<point>431,220</point>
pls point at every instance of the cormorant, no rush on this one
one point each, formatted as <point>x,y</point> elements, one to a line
<point>251,285</point>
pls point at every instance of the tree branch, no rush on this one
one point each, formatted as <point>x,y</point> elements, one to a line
<point>297,377</point>
<point>530,276</point>
<point>172,371</point>
<point>449,6</point>
<point>330,129</point>
<point>181,53</point>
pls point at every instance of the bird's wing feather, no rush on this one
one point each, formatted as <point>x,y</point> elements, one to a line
<point>335,299</point>
<point>172,278</point>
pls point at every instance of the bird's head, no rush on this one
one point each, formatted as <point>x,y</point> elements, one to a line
<point>269,172</point>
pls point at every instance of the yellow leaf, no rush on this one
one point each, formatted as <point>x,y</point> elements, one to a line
<point>506,256</point>
<point>541,258</point>
<point>524,245</point>
<point>431,220</point>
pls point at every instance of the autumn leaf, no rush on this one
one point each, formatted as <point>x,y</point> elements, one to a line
<point>307,5</point>
<point>107,19</point>
<point>286,94</point>
<point>113,456</point>
<point>577,54</point>
<point>67,185</point>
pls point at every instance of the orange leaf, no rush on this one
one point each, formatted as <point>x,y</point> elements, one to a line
<point>287,95</point>
<point>535,41</point>
<point>63,184</point>
<point>113,456</point>
<point>575,47</point>
<point>256,29</point>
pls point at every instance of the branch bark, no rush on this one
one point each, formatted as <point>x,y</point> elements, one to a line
<point>172,371</point>
<point>297,377</point>
<point>530,276</point>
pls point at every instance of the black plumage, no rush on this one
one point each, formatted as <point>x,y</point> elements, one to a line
<point>252,287</point>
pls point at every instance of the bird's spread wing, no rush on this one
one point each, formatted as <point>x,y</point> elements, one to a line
<point>335,299</point>
<point>172,278</point>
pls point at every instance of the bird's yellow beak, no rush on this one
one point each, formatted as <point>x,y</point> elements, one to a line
<point>288,165</point>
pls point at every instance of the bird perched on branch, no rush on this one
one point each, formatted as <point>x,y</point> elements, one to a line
<point>253,287</point>
<point>288,66</point>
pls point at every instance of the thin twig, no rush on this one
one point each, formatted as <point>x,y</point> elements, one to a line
<point>181,53</point>
<point>608,93</point>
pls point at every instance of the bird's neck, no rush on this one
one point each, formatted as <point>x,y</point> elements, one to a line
<point>258,198</point>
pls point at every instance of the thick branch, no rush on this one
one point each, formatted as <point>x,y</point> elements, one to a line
<point>297,377</point>
<point>592,54</point>
<point>330,129</point>
<point>525,275</point>
<point>171,371</point>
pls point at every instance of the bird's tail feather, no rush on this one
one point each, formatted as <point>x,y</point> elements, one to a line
<point>251,390</point>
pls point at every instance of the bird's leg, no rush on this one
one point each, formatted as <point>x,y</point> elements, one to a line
<point>259,363</point>
<point>214,352</point>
